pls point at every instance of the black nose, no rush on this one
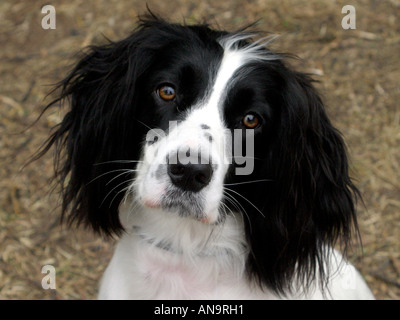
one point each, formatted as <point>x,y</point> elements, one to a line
<point>190,177</point>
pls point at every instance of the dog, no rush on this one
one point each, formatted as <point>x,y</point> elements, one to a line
<point>213,162</point>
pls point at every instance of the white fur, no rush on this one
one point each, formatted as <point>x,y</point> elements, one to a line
<point>207,262</point>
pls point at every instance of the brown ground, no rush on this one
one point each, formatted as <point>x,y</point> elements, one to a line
<point>359,72</point>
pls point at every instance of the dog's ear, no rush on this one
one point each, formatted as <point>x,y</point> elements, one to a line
<point>99,138</point>
<point>310,204</point>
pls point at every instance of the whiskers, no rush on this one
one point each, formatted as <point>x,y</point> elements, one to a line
<point>127,182</point>
<point>231,197</point>
<point>118,161</point>
<point>121,172</point>
<point>246,182</point>
<point>125,171</point>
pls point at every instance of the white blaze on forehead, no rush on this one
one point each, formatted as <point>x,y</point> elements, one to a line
<point>234,58</point>
<point>231,61</point>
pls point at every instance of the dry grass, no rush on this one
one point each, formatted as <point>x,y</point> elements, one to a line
<point>359,72</point>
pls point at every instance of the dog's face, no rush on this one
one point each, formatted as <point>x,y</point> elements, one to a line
<point>207,102</point>
<point>202,123</point>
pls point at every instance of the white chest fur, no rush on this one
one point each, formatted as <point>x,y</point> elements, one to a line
<point>199,262</point>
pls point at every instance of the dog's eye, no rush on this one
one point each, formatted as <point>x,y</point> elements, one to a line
<point>166,92</point>
<point>251,121</point>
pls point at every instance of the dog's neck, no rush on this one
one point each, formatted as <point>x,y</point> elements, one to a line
<point>169,247</point>
<point>185,236</point>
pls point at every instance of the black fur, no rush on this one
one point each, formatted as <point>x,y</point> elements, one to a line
<point>107,122</point>
<point>309,202</point>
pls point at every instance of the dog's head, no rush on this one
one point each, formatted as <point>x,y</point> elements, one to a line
<point>202,123</point>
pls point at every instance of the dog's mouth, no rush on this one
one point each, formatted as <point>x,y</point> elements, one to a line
<point>188,204</point>
<point>183,203</point>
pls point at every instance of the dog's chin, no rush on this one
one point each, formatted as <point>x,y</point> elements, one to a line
<point>181,203</point>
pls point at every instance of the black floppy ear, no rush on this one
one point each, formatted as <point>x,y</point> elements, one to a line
<point>98,139</point>
<point>310,204</point>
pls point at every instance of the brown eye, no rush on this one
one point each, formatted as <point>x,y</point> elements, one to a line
<point>250,121</point>
<point>167,93</point>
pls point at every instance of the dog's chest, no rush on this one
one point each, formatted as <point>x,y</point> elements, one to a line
<point>167,276</point>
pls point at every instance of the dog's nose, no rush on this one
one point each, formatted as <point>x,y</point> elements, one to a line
<point>190,177</point>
